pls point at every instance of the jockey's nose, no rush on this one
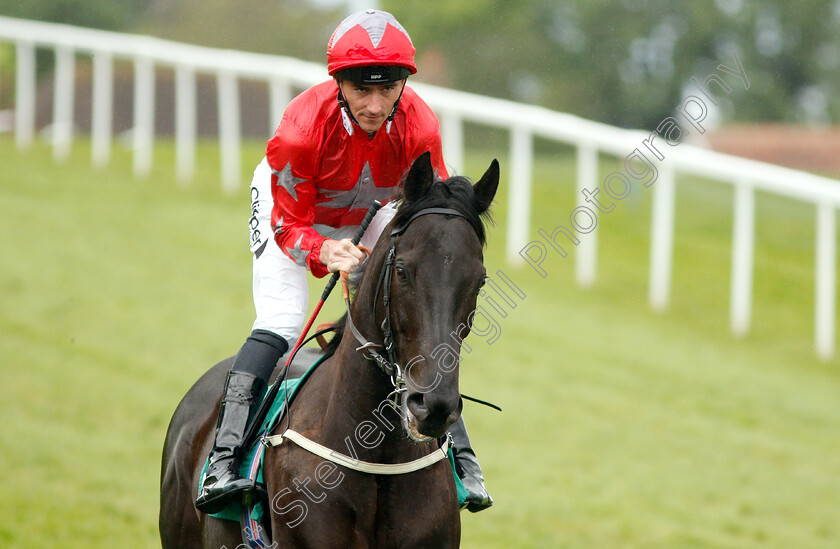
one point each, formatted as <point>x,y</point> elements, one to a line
<point>375,102</point>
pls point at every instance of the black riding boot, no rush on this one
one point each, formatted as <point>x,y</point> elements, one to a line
<point>468,469</point>
<point>222,482</point>
<point>244,390</point>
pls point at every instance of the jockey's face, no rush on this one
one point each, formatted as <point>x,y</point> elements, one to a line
<point>370,104</point>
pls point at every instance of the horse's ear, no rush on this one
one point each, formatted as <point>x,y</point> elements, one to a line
<point>419,178</point>
<point>486,187</point>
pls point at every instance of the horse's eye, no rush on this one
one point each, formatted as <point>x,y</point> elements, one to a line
<point>400,272</point>
<point>478,290</point>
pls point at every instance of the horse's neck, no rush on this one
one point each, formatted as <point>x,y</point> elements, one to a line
<point>349,411</point>
<point>359,385</point>
<point>352,399</point>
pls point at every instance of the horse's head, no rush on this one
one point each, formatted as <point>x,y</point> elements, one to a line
<point>434,253</point>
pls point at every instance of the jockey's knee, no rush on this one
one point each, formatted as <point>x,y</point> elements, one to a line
<point>260,354</point>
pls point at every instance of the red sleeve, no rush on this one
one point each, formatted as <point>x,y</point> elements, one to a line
<point>434,146</point>
<point>292,158</point>
<point>425,135</point>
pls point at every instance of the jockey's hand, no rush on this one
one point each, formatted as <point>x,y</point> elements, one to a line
<point>340,255</point>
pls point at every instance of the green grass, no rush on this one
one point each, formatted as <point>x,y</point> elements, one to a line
<point>622,427</point>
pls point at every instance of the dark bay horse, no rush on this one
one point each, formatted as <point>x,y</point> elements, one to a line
<point>417,292</point>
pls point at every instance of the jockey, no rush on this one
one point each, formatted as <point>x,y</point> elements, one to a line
<point>340,145</point>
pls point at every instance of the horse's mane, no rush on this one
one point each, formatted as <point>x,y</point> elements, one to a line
<point>456,193</point>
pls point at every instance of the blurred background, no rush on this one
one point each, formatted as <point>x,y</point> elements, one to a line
<point>630,420</point>
<point>624,63</point>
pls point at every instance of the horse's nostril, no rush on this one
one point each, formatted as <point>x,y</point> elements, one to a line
<point>455,413</point>
<point>416,406</point>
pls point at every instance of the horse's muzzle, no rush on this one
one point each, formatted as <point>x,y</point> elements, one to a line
<point>431,414</point>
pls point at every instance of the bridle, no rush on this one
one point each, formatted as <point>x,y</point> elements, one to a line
<point>388,362</point>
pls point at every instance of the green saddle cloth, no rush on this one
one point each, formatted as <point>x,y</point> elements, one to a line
<point>286,393</point>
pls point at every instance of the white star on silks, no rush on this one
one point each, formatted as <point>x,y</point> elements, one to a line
<point>375,25</point>
<point>361,195</point>
<point>297,254</point>
<point>279,228</point>
<point>288,181</point>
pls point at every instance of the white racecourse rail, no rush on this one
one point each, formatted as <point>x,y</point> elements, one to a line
<point>524,122</point>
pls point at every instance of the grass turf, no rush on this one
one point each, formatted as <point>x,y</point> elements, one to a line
<point>622,427</point>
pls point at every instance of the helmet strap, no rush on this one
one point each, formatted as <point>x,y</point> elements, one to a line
<point>394,110</point>
<point>346,116</point>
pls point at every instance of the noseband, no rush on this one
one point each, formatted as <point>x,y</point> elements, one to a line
<point>388,362</point>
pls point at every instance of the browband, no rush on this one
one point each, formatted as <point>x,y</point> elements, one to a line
<point>445,211</point>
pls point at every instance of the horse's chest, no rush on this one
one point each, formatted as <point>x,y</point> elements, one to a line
<point>412,510</point>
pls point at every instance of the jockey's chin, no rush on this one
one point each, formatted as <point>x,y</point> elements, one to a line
<point>371,124</point>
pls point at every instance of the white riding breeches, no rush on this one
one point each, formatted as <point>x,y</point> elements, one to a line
<point>281,296</point>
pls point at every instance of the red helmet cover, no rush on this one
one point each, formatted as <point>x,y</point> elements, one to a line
<point>371,37</point>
